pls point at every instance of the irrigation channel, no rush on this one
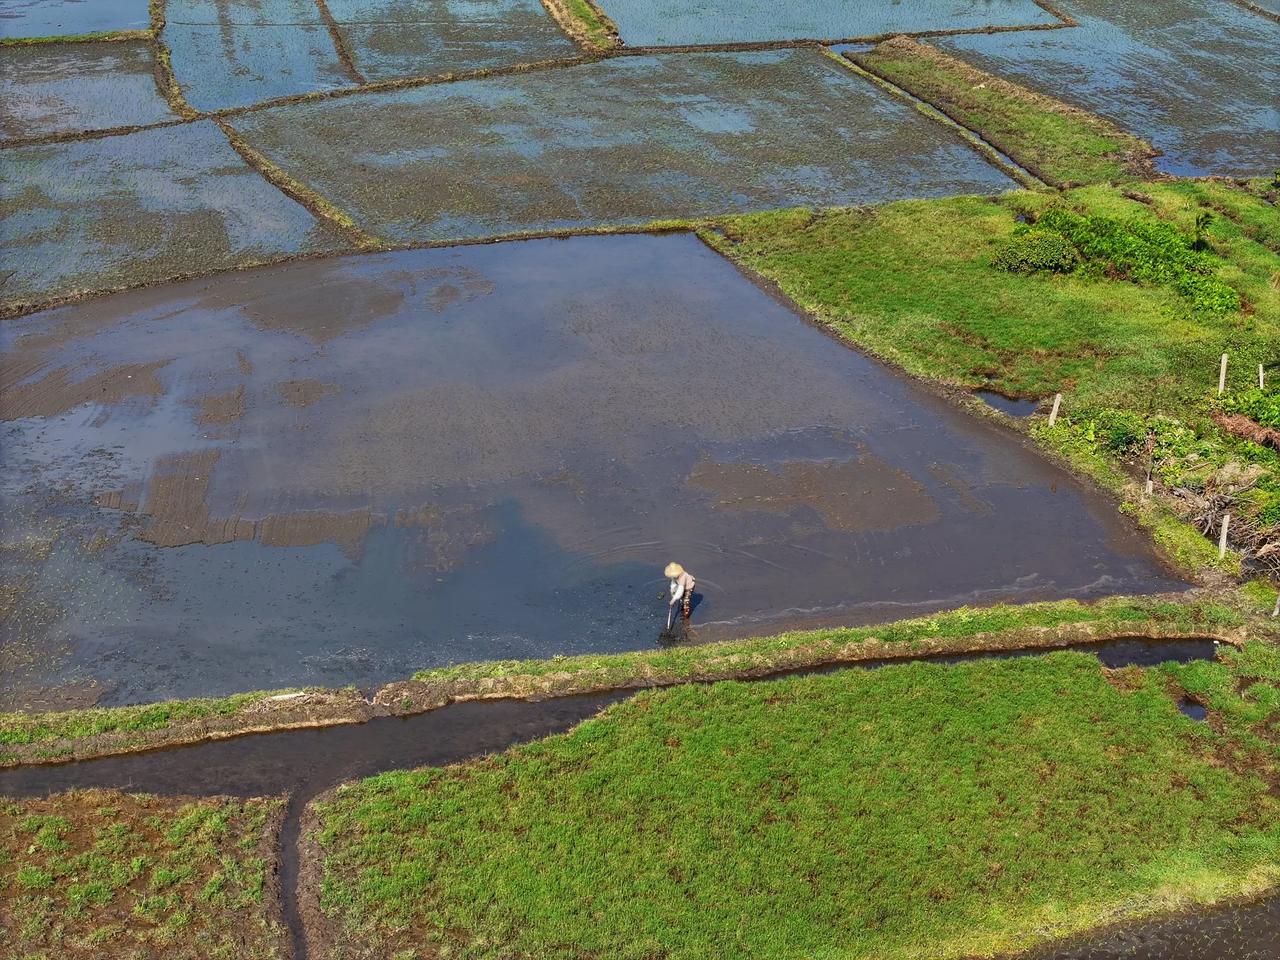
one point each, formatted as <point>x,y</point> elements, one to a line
<point>305,763</point>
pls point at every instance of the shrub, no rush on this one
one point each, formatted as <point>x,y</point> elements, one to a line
<point>1030,250</point>
<point>1144,251</point>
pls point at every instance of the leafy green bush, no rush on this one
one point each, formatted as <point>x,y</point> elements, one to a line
<point>1146,252</point>
<point>1029,250</point>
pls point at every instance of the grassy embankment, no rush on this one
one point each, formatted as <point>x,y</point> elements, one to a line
<point>100,873</point>
<point>96,731</point>
<point>918,810</point>
<point>1059,143</point>
<point>585,22</point>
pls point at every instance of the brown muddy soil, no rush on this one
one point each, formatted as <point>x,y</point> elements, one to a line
<point>181,877</point>
<point>349,470</point>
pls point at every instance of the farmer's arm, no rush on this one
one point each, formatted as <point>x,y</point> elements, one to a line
<point>677,591</point>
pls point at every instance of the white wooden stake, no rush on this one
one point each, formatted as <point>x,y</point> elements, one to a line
<point>1262,378</point>
<point>1053,414</point>
<point>1222,536</point>
<point>1150,486</point>
<point>1222,375</point>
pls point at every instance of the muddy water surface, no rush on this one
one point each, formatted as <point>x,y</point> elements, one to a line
<point>67,88</point>
<point>406,38</point>
<point>622,141</point>
<point>1198,78</point>
<point>673,22</point>
<point>50,18</point>
<point>93,214</point>
<point>341,471</point>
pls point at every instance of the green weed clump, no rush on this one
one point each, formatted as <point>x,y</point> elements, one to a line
<point>913,810</point>
<point>1030,250</point>
<point>1256,404</point>
<point>1144,251</point>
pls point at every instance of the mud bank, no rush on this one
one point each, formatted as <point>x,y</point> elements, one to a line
<point>446,494</point>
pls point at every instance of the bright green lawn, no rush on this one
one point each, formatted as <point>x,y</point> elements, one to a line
<point>912,811</point>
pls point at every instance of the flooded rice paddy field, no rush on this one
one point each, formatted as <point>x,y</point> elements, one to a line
<point>70,87</point>
<point>344,470</point>
<point>233,54</point>
<point>1197,78</point>
<point>239,53</point>
<point>157,203</point>
<point>399,38</point>
<point>45,18</point>
<point>626,140</point>
<point>679,22</point>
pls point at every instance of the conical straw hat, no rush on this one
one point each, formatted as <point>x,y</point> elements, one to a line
<point>673,570</point>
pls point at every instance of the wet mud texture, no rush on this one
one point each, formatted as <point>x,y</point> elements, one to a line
<point>1197,78</point>
<point>50,18</point>
<point>491,451</point>
<point>70,88</point>
<point>94,214</point>
<point>223,55</point>
<point>626,140</point>
<point>678,22</point>
<point>412,38</point>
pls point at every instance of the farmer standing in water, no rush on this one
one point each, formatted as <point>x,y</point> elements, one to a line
<point>682,583</point>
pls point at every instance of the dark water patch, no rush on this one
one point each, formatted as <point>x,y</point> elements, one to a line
<point>52,18</point>
<point>143,207</point>
<point>1013,406</point>
<point>623,141</point>
<point>1196,711</point>
<point>69,88</point>
<point>676,22</point>
<point>1196,79</point>
<point>500,448</point>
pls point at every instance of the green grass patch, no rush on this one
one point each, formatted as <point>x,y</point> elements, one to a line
<point>917,810</point>
<point>1060,144</point>
<point>27,728</point>
<point>137,876</point>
